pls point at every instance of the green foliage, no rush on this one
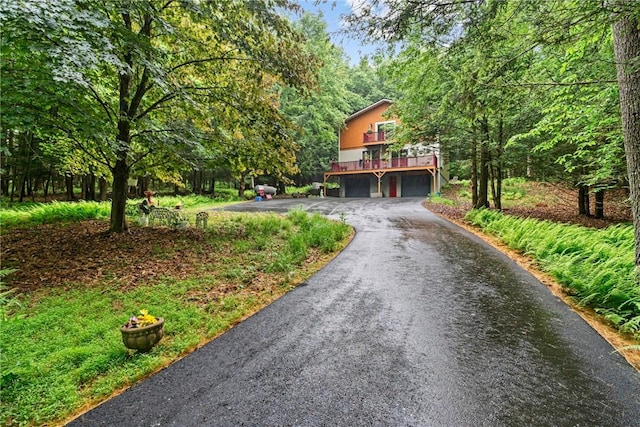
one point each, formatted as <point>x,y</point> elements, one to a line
<point>514,188</point>
<point>316,231</point>
<point>319,114</point>
<point>23,215</point>
<point>527,87</point>
<point>45,213</point>
<point>441,200</point>
<point>197,80</point>
<point>76,355</point>
<point>230,194</point>
<point>597,265</point>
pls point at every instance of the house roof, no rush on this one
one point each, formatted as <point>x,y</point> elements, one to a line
<point>370,107</point>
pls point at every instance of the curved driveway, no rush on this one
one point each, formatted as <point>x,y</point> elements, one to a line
<point>416,323</point>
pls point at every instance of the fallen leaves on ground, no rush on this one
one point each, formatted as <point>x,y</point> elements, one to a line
<point>556,203</point>
<point>85,253</point>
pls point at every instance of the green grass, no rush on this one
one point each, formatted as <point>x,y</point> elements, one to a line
<point>29,214</point>
<point>515,192</point>
<point>441,200</point>
<point>62,349</point>
<point>42,213</point>
<point>595,265</point>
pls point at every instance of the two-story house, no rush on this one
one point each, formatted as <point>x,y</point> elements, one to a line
<point>368,166</point>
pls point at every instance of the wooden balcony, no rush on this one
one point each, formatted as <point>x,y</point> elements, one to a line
<point>397,164</point>
<point>374,137</point>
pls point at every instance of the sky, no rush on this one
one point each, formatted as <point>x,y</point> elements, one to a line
<point>332,11</point>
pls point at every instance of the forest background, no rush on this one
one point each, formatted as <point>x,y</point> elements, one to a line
<point>190,94</point>
<point>118,97</point>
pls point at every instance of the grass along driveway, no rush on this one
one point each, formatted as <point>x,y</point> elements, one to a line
<point>77,284</point>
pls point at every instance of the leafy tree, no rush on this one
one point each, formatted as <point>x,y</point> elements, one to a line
<point>580,120</point>
<point>368,84</point>
<point>456,93</point>
<point>147,77</point>
<point>626,41</point>
<point>447,22</point>
<point>321,113</point>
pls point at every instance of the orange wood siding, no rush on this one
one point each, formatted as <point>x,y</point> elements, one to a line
<point>352,136</point>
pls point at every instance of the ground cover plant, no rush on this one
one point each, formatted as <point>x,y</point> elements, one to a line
<point>76,284</point>
<point>29,213</point>
<point>594,265</point>
<point>41,213</point>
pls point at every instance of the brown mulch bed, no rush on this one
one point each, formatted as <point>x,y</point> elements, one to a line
<point>55,255</point>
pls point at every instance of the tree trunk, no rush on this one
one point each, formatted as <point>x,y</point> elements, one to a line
<point>46,186</point>
<point>4,180</point>
<point>126,111</point>
<point>27,166</point>
<point>23,185</point>
<point>212,187</point>
<point>474,171</point>
<point>583,200</point>
<point>68,181</point>
<point>83,187</point>
<point>626,43</point>
<point>104,188</point>
<point>496,186</point>
<point>496,168</point>
<point>30,191</point>
<point>144,184</point>
<point>483,185</point>
<point>37,183</point>
<point>13,184</point>
<point>92,186</point>
<point>118,222</point>
<point>4,169</point>
<point>599,210</point>
<point>241,188</point>
<point>120,171</point>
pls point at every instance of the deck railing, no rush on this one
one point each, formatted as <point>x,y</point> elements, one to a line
<point>396,163</point>
<point>379,136</point>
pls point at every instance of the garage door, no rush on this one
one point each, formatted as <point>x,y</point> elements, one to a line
<point>356,186</point>
<point>416,185</point>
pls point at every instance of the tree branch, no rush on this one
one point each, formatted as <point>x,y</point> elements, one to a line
<point>104,105</point>
<point>155,105</point>
<point>81,146</point>
<point>211,59</point>
<point>166,5</point>
<point>152,131</point>
<point>526,84</point>
<point>141,157</point>
<point>140,92</point>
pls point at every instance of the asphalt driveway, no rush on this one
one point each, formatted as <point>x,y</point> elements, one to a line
<point>416,323</point>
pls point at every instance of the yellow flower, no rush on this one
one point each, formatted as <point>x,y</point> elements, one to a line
<point>145,318</point>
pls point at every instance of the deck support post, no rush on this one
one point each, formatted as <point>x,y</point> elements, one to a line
<point>379,175</point>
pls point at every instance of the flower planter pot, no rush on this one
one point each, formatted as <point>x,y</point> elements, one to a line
<point>142,339</point>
